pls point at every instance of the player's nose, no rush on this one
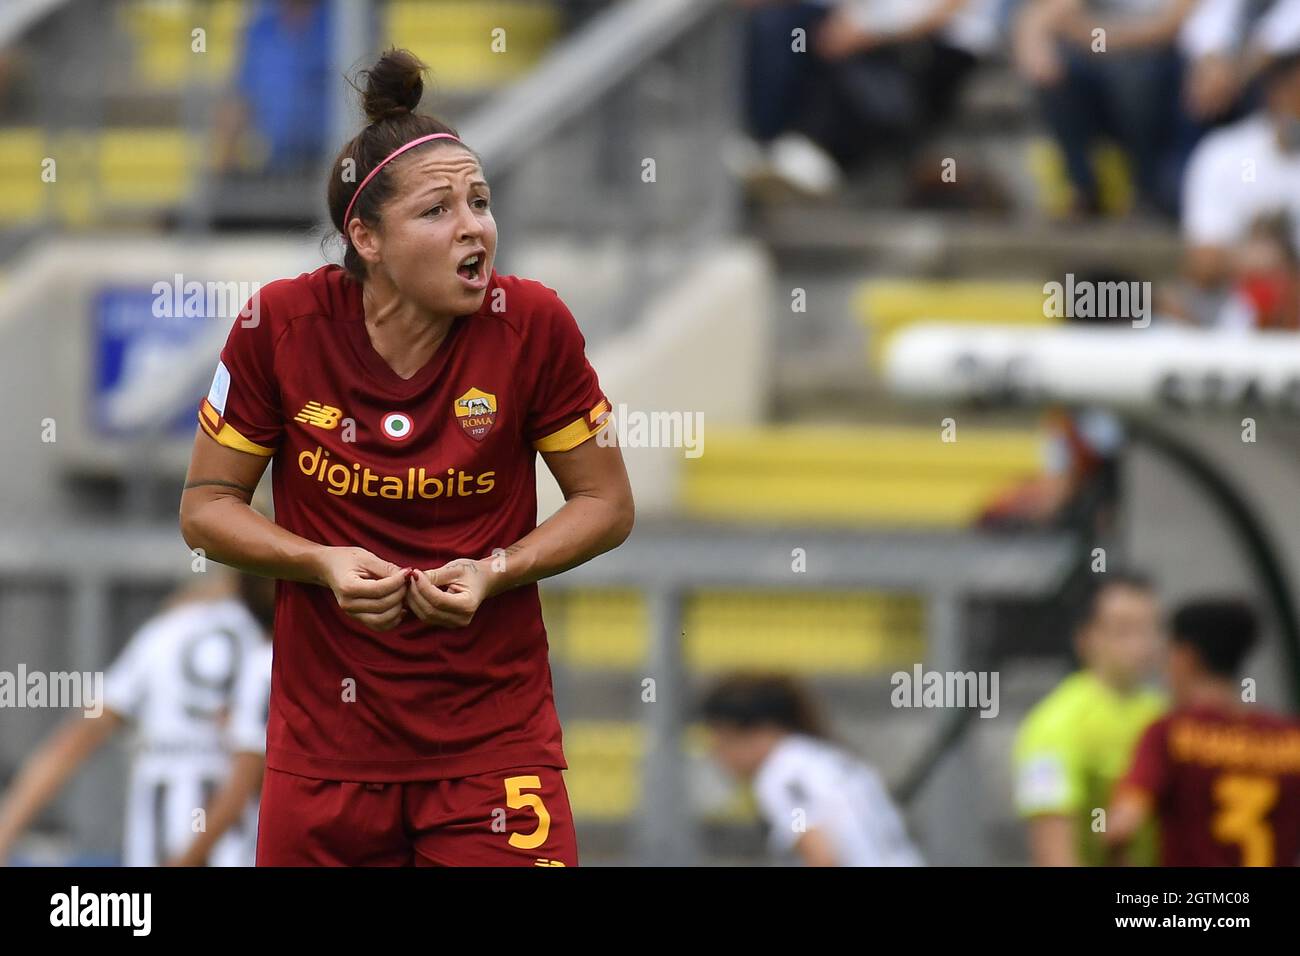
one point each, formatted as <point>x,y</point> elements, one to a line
<point>469,226</point>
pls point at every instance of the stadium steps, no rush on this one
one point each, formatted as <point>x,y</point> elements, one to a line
<point>870,476</point>
<point>943,244</point>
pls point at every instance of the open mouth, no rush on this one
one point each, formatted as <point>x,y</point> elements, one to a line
<point>471,267</point>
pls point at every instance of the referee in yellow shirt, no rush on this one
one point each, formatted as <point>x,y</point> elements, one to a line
<point>1076,742</point>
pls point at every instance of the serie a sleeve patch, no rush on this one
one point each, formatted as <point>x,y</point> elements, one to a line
<point>1042,784</point>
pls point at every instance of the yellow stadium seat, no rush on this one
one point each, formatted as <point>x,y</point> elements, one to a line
<point>887,306</point>
<point>146,168</point>
<point>809,633</point>
<point>164,39</point>
<point>865,476</point>
<point>603,779</point>
<point>473,44</point>
<point>23,152</point>
<point>160,31</point>
<point>802,632</point>
<point>597,629</point>
<point>224,22</point>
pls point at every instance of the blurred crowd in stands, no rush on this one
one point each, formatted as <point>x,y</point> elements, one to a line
<point>1202,97</point>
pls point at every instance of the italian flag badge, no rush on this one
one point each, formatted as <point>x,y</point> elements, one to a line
<point>396,426</point>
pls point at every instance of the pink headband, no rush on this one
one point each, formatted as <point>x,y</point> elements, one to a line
<point>347,213</point>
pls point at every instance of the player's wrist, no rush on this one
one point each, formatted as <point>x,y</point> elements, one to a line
<point>495,576</point>
<point>316,563</point>
<point>501,572</point>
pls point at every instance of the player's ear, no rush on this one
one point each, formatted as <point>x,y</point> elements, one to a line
<point>365,240</point>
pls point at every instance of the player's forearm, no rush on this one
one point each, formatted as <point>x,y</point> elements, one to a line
<point>43,775</point>
<point>227,807</point>
<point>1127,814</point>
<point>229,531</point>
<point>586,526</point>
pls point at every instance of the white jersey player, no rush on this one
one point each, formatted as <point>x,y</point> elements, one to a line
<point>822,805</point>
<point>193,685</point>
<point>808,784</point>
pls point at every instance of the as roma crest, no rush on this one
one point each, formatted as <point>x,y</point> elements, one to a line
<point>476,411</point>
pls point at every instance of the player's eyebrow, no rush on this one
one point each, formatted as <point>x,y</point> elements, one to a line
<point>442,189</point>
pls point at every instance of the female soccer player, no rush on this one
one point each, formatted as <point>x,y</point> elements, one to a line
<point>402,398</point>
<point>822,805</point>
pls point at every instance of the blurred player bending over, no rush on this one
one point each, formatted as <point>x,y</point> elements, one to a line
<point>1076,742</point>
<point>823,805</point>
<point>194,682</point>
<point>1221,775</point>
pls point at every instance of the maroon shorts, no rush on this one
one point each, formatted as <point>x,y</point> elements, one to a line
<point>517,817</point>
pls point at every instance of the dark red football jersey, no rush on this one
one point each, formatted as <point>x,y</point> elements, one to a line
<point>1224,785</point>
<point>419,472</point>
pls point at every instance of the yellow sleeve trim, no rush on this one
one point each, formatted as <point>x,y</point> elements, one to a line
<point>232,439</point>
<point>574,434</point>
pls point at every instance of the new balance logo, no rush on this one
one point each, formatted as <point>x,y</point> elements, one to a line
<point>545,862</point>
<point>322,416</point>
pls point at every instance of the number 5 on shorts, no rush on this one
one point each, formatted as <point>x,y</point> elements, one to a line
<point>515,799</point>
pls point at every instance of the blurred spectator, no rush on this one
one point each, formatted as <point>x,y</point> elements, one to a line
<point>1076,742</point>
<point>869,72</point>
<point>1229,42</point>
<point>1266,279</point>
<point>1108,68</point>
<point>1238,174</point>
<point>281,90</point>
<point>821,804</point>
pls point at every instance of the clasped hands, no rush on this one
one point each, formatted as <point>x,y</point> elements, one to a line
<point>378,593</point>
